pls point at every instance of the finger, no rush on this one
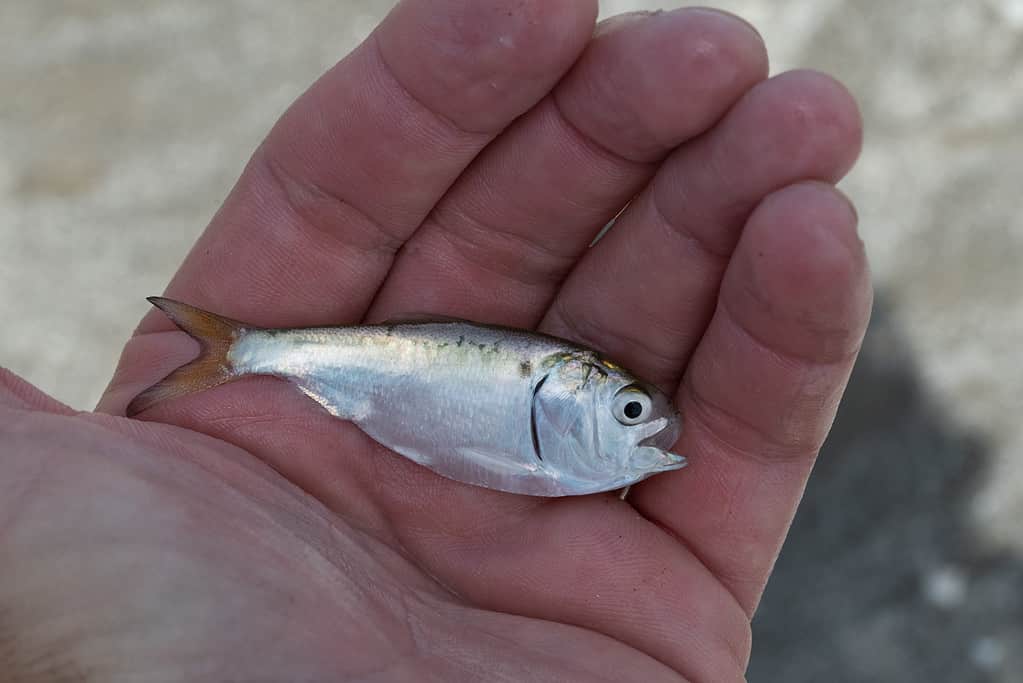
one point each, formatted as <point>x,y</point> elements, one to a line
<point>645,292</point>
<point>763,385</point>
<point>359,160</point>
<point>354,166</point>
<point>18,394</point>
<point>517,220</point>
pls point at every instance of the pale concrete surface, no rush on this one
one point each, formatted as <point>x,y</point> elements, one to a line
<point>123,124</point>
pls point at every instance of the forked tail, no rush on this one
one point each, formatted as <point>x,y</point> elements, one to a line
<point>212,367</point>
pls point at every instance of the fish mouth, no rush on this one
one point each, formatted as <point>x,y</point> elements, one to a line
<point>662,440</point>
<point>666,436</point>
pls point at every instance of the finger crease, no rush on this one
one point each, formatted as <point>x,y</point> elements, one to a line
<point>381,241</point>
<point>477,233</point>
<point>597,147</point>
<point>522,270</point>
<point>679,229</point>
<point>444,119</point>
<point>715,414</point>
<point>792,357</point>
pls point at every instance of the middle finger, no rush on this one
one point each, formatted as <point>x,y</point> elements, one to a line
<point>519,217</point>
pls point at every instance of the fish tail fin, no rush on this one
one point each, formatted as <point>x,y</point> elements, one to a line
<point>215,334</point>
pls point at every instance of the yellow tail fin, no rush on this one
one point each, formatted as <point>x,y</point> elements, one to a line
<point>215,335</point>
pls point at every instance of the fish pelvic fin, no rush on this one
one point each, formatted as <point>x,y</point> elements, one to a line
<point>215,334</point>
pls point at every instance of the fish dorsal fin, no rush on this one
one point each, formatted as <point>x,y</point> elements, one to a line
<point>422,318</point>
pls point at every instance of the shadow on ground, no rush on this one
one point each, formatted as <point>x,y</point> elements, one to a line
<point>883,578</point>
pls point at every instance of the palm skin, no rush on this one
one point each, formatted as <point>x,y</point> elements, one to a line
<point>459,162</point>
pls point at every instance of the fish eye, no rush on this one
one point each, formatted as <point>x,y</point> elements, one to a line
<point>631,406</point>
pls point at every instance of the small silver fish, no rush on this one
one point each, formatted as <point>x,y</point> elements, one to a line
<point>500,408</point>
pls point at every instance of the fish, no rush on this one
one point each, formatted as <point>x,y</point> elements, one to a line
<point>495,407</point>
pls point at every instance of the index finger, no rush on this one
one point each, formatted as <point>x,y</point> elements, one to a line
<point>359,160</point>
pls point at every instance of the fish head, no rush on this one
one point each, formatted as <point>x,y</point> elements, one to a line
<point>637,425</point>
<point>600,428</point>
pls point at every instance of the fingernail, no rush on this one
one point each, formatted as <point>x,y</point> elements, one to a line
<point>849,202</point>
<point>723,13</point>
<point>621,20</point>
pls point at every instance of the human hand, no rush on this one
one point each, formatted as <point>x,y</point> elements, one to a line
<point>459,162</point>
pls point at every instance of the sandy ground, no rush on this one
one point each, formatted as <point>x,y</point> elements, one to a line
<point>123,124</point>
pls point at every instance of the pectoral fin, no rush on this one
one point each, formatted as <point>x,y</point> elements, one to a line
<point>561,419</point>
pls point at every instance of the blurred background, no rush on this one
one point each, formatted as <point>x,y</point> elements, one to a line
<point>123,124</point>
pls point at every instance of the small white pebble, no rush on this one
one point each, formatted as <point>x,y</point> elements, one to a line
<point>945,587</point>
<point>1012,11</point>
<point>987,653</point>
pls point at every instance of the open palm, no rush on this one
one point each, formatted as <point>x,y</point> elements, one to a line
<point>460,162</point>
